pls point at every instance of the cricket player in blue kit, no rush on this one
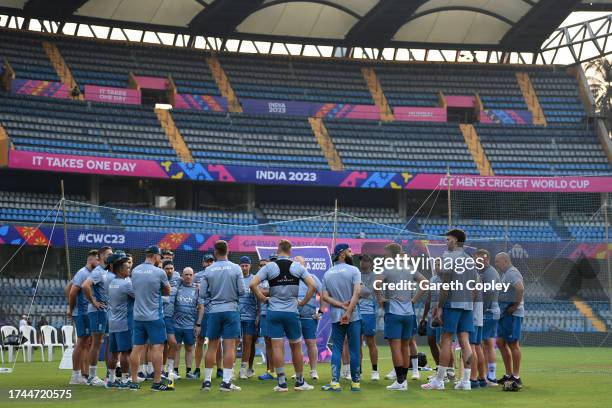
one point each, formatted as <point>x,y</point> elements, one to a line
<point>168,309</point>
<point>222,284</point>
<point>283,276</point>
<point>120,318</point>
<point>207,260</point>
<point>489,275</point>
<point>367,311</point>
<point>94,289</point>
<point>77,308</point>
<point>150,283</point>
<point>248,315</point>
<point>185,315</point>
<point>309,320</point>
<point>341,288</point>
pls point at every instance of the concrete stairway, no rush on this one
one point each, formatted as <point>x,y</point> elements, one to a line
<point>326,144</point>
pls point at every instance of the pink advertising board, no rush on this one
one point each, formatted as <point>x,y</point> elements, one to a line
<point>112,95</point>
<point>85,164</point>
<point>247,243</point>
<point>419,114</point>
<point>151,82</point>
<point>460,101</point>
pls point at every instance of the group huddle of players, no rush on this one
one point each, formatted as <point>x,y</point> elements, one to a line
<point>148,312</point>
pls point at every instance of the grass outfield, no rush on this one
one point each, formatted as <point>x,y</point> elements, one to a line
<point>553,376</point>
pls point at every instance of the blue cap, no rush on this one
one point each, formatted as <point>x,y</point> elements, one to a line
<point>208,257</point>
<point>114,257</point>
<point>245,260</point>
<point>339,249</point>
<point>153,249</point>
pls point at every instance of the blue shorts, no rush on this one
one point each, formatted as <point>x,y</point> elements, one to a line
<point>489,329</point>
<point>82,325</point>
<point>203,327</point>
<point>223,324</point>
<point>284,324</point>
<point>457,320</point>
<point>120,341</point>
<point>368,325</point>
<point>169,322</point>
<point>263,326</point>
<point>98,321</point>
<point>309,328</point>
<point>398,326</point>
<point>476,335</point>
<point>184,335</point>
<point>247,327</point>
<point>149,332</point>
<point>509,328</point>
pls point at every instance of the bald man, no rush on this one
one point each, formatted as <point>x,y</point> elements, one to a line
<point>185,314</point>
<point>511,305</point>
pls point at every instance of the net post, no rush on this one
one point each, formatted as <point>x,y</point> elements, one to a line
<point>335,224</point>
<point>606,207</point>
<point>448,199</point>
<point>66,249</point>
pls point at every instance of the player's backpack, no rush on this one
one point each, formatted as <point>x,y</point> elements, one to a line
<point>422,359</point>
<point>11,340</point>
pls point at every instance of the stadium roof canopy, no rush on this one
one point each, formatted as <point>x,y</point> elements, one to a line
<point>505,25</point>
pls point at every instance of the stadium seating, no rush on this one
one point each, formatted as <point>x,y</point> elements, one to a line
<point>75,127</point>
<point>585,228</point>
<point>26,55</point>
<point>419,84</point>
<point>299,79</point>
<point>558,95</point>
<point>543,151</point>
<point>108,64</point>
<point>401,146</point>
<point>257,140</point>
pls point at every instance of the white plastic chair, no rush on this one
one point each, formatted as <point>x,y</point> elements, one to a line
<point>32,342</point>
<point>6,331</point>
<point>50,340</point>
<point>68,336</point>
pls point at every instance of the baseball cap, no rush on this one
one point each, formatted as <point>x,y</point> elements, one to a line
<point>245,260</point>
<point>153,249</point>
<point>338,249</point>
<point>208,257</point>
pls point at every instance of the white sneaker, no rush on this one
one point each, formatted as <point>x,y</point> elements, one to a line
<point>250,372</point>
<point>314,375</point>
<point>304,387</point>
<point>140,379</point>
<point>77,380</point>
<point>398,387</point>
<point>96,382</point>
<point>173,376</point>
<point>278,388</point>
<point>243,373</point>
<point>375,376</point>
<point>416,375</point>
<point>451,374</point>
<point>232,387</point>
<point>433,384</point>
<point>463,385</point>
<point>391,375</point>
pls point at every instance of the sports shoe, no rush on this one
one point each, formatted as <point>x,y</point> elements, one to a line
<point>491,382</point>
<point>398,387</point>
<point>314,375</point>
<point>517,381</point>
<point>96,382</point>
<point>132,386</point>
<point>243,373</point>
<point>228,387</point>
<point>355,386</point>
<point>391,375</point>
<point>163,385</point>
<point>191,376</point>
<point>150,376</point>
<point>196,373</point>
<point>267,376</point>
<point>416,375</point>
<point>464,385</point>
<point>482,383</point>
<point>281,388</point>
<point>375,376</point>
<point>334,387</point>
<point>174,375</point>
<point>433,384</point>
<point>113,384</point>
<point>503,379</point>
<point>206,386</point>
<point>450,373</point>
<point>474,384</point>
<point>250,372</point>
<point>78,380</point>
<point>141,376</point>
<point>304,386</point>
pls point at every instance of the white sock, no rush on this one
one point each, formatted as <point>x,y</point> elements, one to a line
<point>125,377</point>
<point>346,367</point>
<point>149,368</point>
<point>92,371</point>
<point>111,375</point>
<point>243,365</point>
<point>227,375</point>
<point>76,373</point>
<point>170,365</point>
<point>415,365</point>
<point>492,370</point>
<point>440,373</point>
<point>466,374</point>
<point>143,368</point>
<point>208,374</point>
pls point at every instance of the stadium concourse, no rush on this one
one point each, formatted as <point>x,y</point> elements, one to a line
<point>185,186</point>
